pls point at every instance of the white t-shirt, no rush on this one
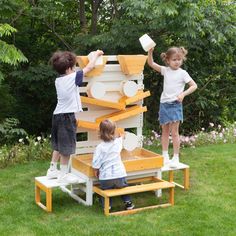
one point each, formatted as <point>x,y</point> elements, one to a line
<point>68,97</point>
<point>174,82</point>
<point>107,159</point>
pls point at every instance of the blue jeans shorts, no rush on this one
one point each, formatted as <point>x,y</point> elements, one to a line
<point>113,184</point>
<point>170,112</point>
<point>64,133</point>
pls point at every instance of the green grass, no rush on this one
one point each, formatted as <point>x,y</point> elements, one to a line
<point>208,208</point>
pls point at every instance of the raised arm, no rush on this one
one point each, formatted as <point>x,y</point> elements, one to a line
<point>192,87</point>
<point>91,63</point>
<point>151,63</point>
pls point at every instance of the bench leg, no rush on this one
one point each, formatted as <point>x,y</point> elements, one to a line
<point>106,205</point>
<point>48,192</point>
<point>186,178</point>
<point>172,194</point>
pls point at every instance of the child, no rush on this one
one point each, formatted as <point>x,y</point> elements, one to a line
<point>171,110</point>
<point>107,163</point>
<point>68,102</point>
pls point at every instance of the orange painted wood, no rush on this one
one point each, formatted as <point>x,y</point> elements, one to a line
<point>83,61</point>
<point>139,159</point>
<point>129,112</point>
<point>102,103</point>
<point>139,96</point>
<point>132,64</point>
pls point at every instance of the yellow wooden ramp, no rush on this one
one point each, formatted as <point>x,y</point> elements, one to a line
<point>102,103</point>
<point>139,96</point>
<point>129,112</point>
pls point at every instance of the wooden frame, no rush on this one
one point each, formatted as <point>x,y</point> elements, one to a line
<point>156,184</point>
<point>186,173</point>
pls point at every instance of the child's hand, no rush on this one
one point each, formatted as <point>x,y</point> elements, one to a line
<point>151,50</point>
<point>180,97</point>
<point>96,173</point>
<point>99,53</point>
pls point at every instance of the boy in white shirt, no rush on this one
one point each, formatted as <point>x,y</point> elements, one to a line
<point>107,163</point>
<point>68,102</point>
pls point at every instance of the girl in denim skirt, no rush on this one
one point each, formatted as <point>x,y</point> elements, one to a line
<point>171,109</point>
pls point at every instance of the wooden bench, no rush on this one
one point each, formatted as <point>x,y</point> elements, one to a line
<point>182,167</point>
<point>46,185</point>
<point>153,185</point>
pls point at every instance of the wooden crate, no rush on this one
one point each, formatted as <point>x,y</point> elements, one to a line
<point>137,160</point>
<point>83,61</point>
<point>132,64</point>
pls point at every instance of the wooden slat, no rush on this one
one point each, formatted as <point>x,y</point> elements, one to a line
<point>116,116</point>
<point>134,189</point>
<point>139,96</point>
<point>133,211</point>
<point>102,103</point>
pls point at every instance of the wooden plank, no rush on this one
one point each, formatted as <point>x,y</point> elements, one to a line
<point>102,103</point>
<point>133,211</point>
<point>136,189</point>
<point>116,116</point>
<point>139,96</point>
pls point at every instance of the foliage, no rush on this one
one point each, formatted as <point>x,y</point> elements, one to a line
<point>36,97</point>
<point>9,131</point>
<point>206,28</point>
<point>27,149</point>
<point>214,134</point>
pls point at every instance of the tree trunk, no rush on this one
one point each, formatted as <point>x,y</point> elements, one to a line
<point>95,7</point>
<point>82,16</point>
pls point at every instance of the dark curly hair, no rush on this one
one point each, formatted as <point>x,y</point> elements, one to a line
<point>62,60</point>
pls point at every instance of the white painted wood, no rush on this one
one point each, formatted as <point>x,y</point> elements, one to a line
<point>52,183</point>
<point>99,60</point>
<point>129,88</point>
<point>130,141</point>
<point>146,42</point>
<point>96,90</point>
<point>179,167</point>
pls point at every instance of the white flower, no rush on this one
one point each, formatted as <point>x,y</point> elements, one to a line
<point>38,138</point>
<point>21,140</point>
<point>203,129</point>
<point>211,124</point>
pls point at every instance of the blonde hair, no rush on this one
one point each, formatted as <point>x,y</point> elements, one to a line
<point>165,56</point>
<point>107,130</point>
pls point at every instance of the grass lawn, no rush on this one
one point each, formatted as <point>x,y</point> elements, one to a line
<point>208,208</point>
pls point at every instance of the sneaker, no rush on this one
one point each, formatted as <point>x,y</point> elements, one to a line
<point>166,159</point>
<point>52,174</point>
<point>67,178</point>
<point>174,162</point>
<point>129,205</point>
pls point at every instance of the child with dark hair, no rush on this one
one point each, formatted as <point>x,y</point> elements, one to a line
<point>107,163</point>
<point>171,108</point>
<point>68,102</point>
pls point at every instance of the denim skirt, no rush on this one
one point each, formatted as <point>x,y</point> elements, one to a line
<point>170,112</point>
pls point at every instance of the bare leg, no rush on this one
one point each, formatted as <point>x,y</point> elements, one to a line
<point>64,160</point>
<point>165,137</point>
<point>175,136</point>
<point>55,156</point>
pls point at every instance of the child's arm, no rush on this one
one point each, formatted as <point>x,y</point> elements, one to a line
<point>91,63</point>
<point>192,87</point>
<point>96,172</point>
<point>151,63</point>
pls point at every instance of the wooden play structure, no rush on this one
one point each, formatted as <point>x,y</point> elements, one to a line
<point>114,90</point>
